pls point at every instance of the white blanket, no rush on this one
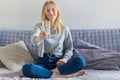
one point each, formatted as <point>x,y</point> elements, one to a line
<point>90,75</point>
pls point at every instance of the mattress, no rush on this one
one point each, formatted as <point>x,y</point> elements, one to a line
<point>101,75</point>
<point>90,75</point>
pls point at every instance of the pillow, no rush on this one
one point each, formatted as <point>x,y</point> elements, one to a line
<point>15,55</point>
<point>100,58</point>
<point>81,44</point>
<point>1,64</point>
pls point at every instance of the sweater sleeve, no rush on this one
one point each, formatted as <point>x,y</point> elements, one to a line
<point>35,34</point>
<point>68,44</point>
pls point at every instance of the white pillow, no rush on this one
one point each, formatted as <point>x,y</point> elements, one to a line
<point>15,55</point>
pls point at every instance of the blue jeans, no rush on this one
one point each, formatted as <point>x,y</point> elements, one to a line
<point>43,66</point>
<point>48,62</point>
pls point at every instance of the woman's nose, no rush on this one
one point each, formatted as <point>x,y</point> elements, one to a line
<point>51,12</point>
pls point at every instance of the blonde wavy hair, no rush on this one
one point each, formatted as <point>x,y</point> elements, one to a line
<point>57,23</point>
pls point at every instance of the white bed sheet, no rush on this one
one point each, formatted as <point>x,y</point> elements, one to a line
<point>6,74</point>
<point>101,75</point>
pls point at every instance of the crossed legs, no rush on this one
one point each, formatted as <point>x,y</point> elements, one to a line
<point>70,69</point>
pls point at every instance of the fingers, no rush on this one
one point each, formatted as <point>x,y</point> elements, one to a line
<point>59,63</point>
<point>43,35</point>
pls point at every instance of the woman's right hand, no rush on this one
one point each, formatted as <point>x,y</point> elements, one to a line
<point>41,36</point>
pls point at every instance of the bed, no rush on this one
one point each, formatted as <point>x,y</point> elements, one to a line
<point>95,39</point>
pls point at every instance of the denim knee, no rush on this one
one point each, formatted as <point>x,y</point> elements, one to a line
<point>26,69</point>
<point>73,65</point>
<point>80,61</point>
<point>35,71</point>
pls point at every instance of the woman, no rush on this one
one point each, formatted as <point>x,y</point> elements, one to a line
<point>55,48</point>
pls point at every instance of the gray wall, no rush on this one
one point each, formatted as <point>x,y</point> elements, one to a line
<point>82,14</point>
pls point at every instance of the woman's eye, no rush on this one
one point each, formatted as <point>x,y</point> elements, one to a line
<point>48,10</point>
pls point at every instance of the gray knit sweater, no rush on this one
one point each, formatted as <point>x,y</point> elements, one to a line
<point>60,45</point>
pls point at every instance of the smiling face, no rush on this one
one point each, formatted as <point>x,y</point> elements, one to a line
<point>51,12</point>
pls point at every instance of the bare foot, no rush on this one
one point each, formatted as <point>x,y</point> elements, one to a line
<point>80,73</point>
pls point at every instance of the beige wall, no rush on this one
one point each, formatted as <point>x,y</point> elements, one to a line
<point>82,14</point>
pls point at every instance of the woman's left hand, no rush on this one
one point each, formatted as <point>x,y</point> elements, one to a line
<point>61,62</point>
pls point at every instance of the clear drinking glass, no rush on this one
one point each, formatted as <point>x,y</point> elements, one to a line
<point>46,29</point>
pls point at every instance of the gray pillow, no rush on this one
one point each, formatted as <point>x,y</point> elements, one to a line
<point>1,64</point>
<point>100,58</point>
<point>81,44</point>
